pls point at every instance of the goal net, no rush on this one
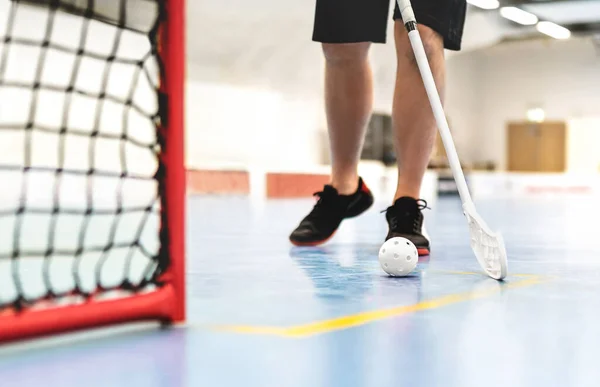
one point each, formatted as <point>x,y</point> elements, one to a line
<point>91,164</point>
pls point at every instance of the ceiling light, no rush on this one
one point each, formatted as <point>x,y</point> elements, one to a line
<point>536,115</point>
<point>553,30</point>
<point>485,4</point>
<point>518,16</point>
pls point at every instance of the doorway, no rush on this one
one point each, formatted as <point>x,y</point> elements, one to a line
<point>536,147</point>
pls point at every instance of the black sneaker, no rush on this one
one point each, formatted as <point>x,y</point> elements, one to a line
<point>331,208</point>
<point>405,220</point>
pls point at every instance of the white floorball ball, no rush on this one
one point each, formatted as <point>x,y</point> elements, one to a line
<point>398,257</point>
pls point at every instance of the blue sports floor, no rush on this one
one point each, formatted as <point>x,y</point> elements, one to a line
<point>262,314</point>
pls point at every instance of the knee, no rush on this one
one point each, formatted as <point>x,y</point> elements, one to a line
<point>432,42</point>
<point>346,54</point>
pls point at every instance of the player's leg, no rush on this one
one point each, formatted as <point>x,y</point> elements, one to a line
<point>440,25</point>
<point>412,117</point>
<point>348,104</point>
<point>346,29</point>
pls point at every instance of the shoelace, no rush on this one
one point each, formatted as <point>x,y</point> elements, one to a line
<point>405,226</point>
<point>422,204</point>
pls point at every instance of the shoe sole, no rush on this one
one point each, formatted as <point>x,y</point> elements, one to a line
<point>313,243</point>
<point>422,251</point>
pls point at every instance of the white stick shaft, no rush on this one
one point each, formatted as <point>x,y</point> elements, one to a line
<point>408,15</point>
<point>438,112</point>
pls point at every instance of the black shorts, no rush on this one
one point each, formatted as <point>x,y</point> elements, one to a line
<point>353,21</point>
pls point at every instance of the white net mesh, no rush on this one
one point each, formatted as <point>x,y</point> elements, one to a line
<point>79,149</point>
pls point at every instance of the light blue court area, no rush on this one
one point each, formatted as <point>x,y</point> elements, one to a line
<point>262,314</point>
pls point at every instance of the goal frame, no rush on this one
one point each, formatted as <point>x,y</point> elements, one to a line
<point>167,303</point>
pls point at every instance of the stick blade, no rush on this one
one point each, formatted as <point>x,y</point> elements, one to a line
<point>488,246</point>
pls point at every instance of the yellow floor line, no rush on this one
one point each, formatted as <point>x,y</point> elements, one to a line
<point>350,321</point>
<point>456,272</point>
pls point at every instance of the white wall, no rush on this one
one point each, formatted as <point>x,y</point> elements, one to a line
<point>462,103</point>
<point>486,86</point>
<point>583,142</point>
<point>241,126</point>
<point>563,77</point>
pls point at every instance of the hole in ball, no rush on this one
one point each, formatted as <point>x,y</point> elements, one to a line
<point>396,255</point>
<point>396,242</point>
<point>408,258</point>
